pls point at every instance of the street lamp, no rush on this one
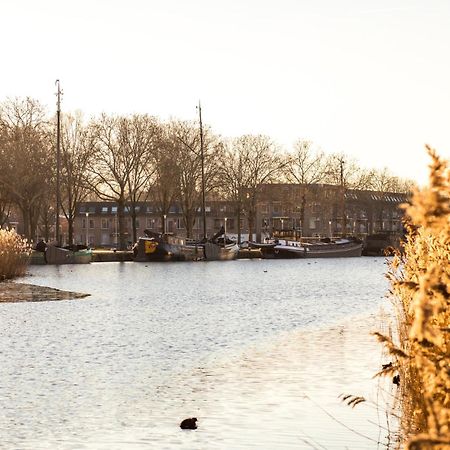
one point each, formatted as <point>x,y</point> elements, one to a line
<point>329,225</point>
<point>164,223</point>
<point>87,229</point>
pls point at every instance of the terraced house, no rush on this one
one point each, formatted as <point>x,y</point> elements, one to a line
<point>279,209</point>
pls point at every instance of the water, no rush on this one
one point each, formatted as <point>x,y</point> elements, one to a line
<point>257,350</point>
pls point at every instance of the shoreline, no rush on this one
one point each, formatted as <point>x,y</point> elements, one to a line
<point>11,292</point>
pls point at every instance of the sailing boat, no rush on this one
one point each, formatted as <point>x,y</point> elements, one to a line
<point>218,247</point>
<point>55,253</point>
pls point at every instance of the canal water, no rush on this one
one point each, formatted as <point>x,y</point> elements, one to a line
<point>259,351</point>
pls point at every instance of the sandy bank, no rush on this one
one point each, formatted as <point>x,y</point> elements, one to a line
<point>11,292</point>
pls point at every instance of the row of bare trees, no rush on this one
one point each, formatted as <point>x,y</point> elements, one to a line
<point>129,159</point>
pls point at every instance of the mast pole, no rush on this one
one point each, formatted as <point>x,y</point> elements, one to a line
<point>202,156</point>
<point>58,161</point>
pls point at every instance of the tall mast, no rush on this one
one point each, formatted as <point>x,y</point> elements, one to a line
<point>202,156</point>
<point>58,160</point>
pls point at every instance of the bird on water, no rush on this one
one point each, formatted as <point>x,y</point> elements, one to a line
<point>189,424</point>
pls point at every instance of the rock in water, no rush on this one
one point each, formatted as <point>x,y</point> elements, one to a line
<point>189,424</point>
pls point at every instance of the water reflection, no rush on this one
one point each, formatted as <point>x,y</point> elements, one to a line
<point>257,356</point>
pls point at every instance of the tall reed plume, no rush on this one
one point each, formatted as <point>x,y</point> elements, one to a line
<point>14,254</point>
<point>420,289</point>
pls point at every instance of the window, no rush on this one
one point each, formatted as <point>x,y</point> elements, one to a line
<point>114,209</point>
<point>217,223</point>
<point>207,208</point>
<point>91,209</point>
<point>104,210</point>
<point>264,208</point>
<point>180,224</point>
<point>83,223</point>
<point>150,223</point>
<point>91,223</point>
<point>230,224</point>
<point>149,209</point>
<point>312,223</point>
<point>315,207</point>
<point>173,209</point>
<point>137,223</point>
<point>82,209</point>
<point>105,224</point>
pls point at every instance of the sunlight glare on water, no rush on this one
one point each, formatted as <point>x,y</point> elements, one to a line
<point>258,351</point>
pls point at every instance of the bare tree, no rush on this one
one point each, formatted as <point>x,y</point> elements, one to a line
<point>186,151</point>
<point>5,203</point>
<point>76,155</point>
<point>306,167</point>
<point>141,135</point>
<point>233,179</point>
<point>110,167</point>
<point>165,187</point>
<point>26,158</point>
<point>258,161</point>
<point>345,172</point>
<point>384,182</point>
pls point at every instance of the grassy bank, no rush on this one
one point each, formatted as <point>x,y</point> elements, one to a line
<point>14,254</point>
<point>420,288</point>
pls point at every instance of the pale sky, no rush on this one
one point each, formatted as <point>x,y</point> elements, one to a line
<point>367,78</point>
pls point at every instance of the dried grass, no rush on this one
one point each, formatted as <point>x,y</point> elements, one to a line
<point>14,254</point>
<point>420,289</point>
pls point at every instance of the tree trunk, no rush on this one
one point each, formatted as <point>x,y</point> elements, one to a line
<point>302,212</point>
<point>26,221</point>
<point>239,222</point>
<point>70,229</point>
<point>251,223</point>
<point>121,220</point>
<point>133,223</point>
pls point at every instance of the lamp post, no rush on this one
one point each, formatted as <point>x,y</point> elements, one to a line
<point>87,229</point>
<point>58,163</point>
<point>164,223</point>
<point>329,226</point>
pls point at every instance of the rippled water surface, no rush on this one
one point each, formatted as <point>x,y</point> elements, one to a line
<point>258,351</point>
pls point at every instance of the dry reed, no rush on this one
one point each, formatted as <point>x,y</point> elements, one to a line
<point>14,254</point>
<point>420,289</point>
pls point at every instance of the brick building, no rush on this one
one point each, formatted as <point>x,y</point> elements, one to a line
<point>289,209</point>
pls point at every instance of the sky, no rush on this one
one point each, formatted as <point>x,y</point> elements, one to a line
<point>367,78</point>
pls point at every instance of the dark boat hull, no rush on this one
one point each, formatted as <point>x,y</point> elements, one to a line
<point>316,250</point>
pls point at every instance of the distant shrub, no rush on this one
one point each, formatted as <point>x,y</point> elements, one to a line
<point>14,254</point>
<point>420,287</point>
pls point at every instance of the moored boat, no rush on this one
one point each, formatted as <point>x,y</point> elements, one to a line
<point>220,247</point>
<point>220,251</point>
<point>165,247</point>
<point>327,248</point>
<point>70,255</point>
